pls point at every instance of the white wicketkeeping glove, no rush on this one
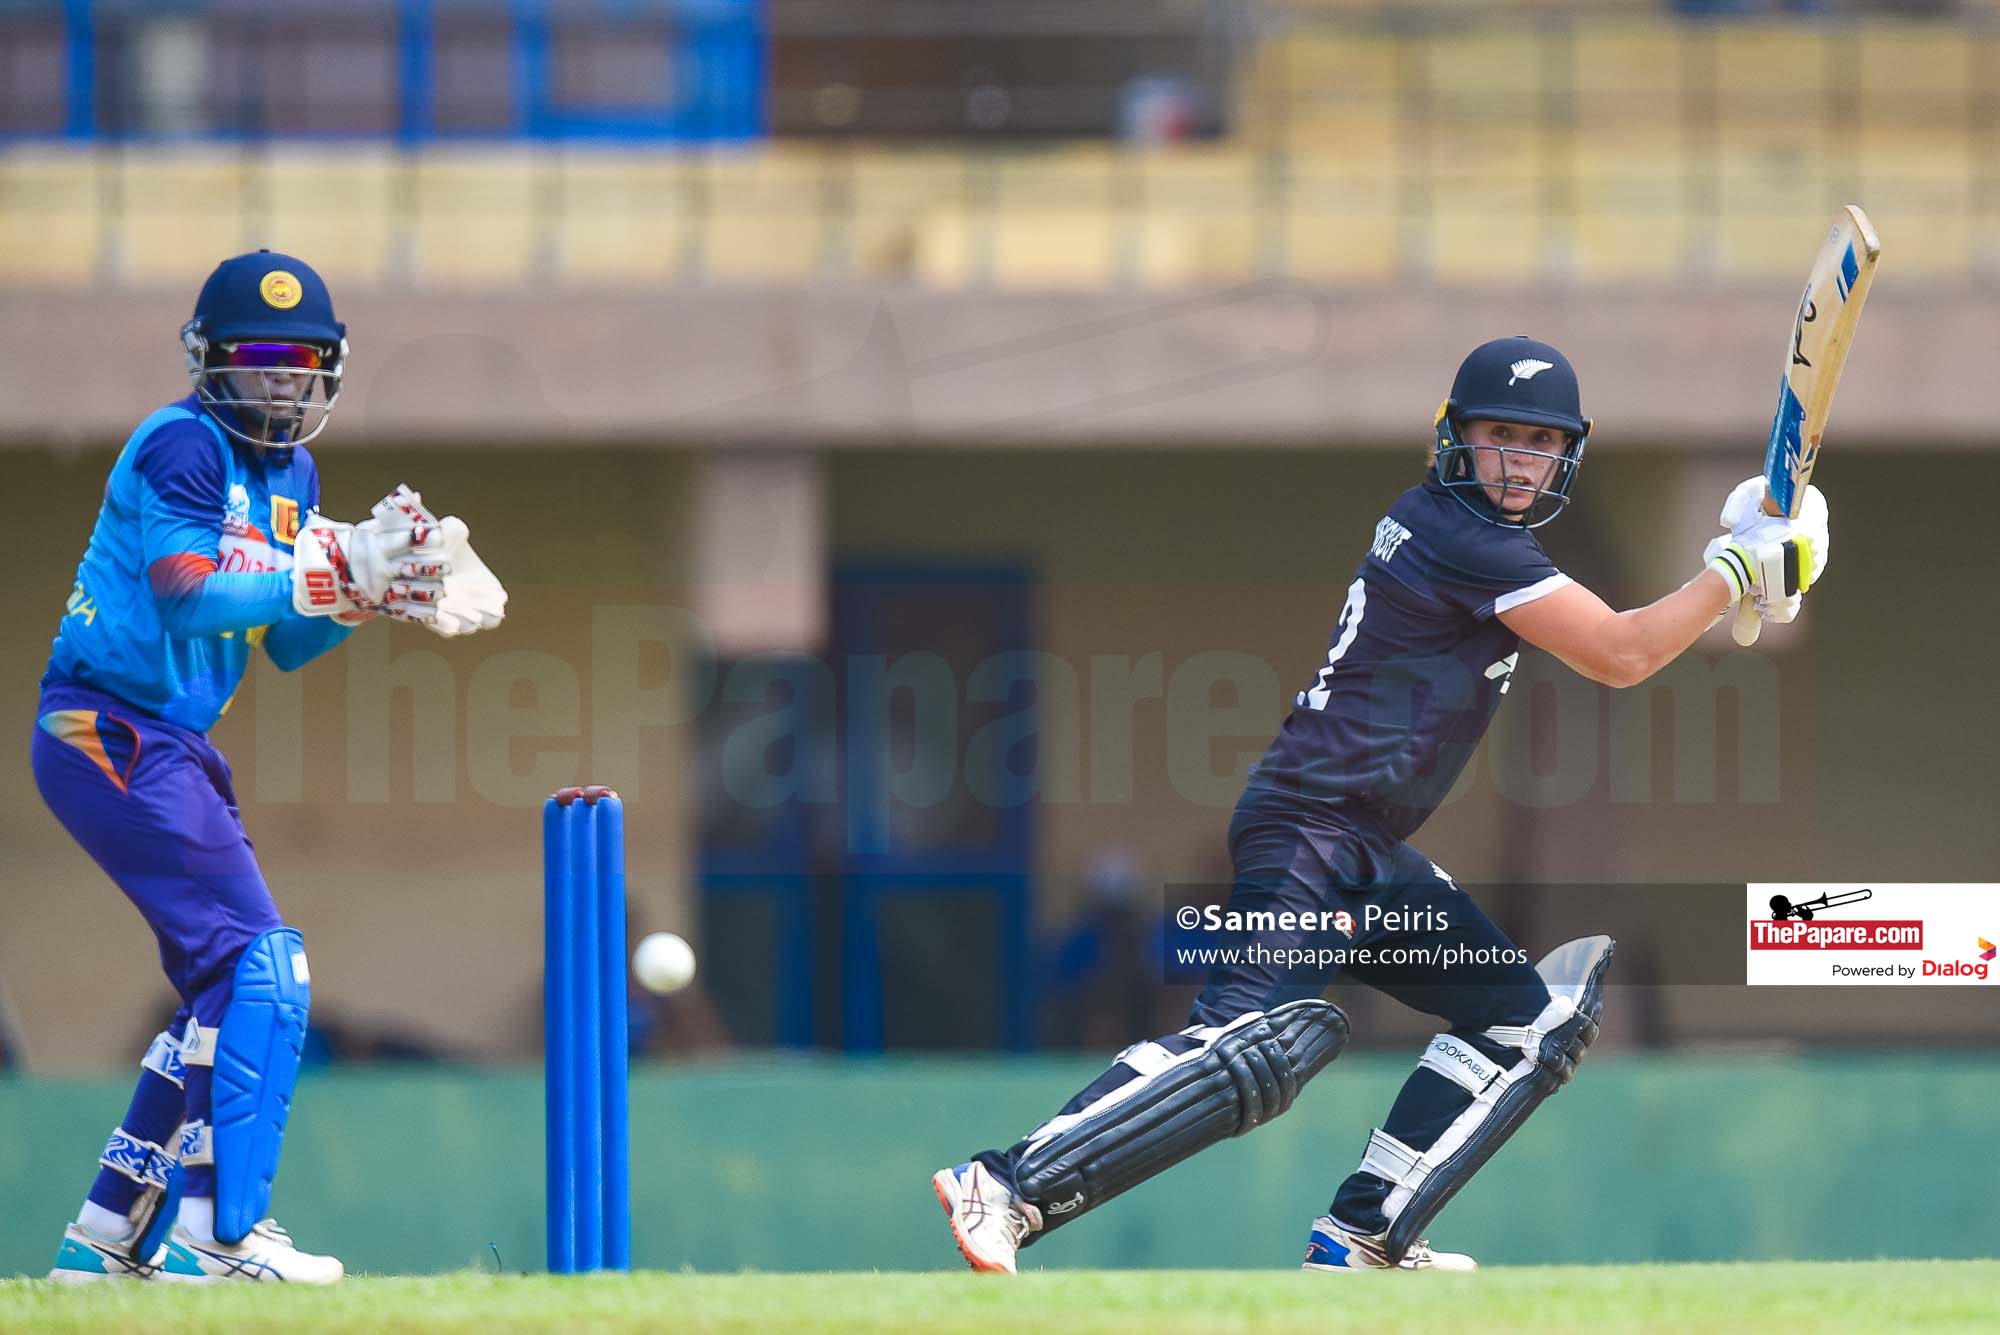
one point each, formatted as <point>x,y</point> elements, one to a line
<point>473,599</point>
<point>394,562</point>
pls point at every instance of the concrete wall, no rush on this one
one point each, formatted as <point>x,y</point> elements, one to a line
<point>1286,363</point>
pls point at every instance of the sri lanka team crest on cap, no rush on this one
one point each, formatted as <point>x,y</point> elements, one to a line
<point>280,289</point>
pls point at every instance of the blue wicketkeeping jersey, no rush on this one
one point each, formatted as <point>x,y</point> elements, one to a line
<point>183,502</point>
<point>1416,665</point>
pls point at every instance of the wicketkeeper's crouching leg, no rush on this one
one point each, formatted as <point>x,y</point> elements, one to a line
<point>1160,1102</point>
<point>1472,1089</point>
<point>194,1200</point>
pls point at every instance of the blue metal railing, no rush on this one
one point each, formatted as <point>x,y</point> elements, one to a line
<point>711,54</point>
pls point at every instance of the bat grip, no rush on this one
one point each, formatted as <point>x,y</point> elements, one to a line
<point>1748,624</point>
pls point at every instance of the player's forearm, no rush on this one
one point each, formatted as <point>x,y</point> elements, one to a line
<point>1644,640</point>
<point>195,606</point>
<point>297,640</point>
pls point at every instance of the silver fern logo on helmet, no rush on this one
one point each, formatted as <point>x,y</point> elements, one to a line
<point>1527,369</point>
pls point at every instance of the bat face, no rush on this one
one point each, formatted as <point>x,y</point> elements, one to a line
<point>1829,310</point>
<point>1822,331</point>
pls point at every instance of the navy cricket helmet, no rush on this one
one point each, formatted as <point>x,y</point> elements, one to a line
<point>1521,381</point>
<point>262,339</point>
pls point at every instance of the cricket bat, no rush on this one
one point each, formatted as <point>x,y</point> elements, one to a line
<point>1821,334</point>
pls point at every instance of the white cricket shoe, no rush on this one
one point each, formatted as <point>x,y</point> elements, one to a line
<point>266,1254</point>
<point>1335,1247</point>
<point>987,1219</point>
<point>87,1258</point>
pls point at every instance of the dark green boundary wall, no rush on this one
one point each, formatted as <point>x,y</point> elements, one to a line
<point>814,1165</point>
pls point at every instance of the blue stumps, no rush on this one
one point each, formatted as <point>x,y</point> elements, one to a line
<point>583,1000</point>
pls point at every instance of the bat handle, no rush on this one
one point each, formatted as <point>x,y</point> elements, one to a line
<point>1748,624</point>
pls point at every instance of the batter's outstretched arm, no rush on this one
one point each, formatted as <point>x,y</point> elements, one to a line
<point>1621,648</point>
<point>1770,560</point>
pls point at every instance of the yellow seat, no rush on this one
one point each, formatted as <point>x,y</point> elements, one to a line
<point>474,216</point>
<point>625,215</point>
<point>179,212</point>
<point>1359,136</point>
<point>1078,176</point>
<point>1765,233</point>
<point>762,216</point>
<point>1479,75</point>
<point>1493,231</point>
<point>333,207</point>
<point>51,215</point>
<point>1342,229</point>
<point>1201,216</point>
<point>1350,65</point>
<point>1491,150</point>
<point>1911,73</point>
<point>1041,248</point>
<point>890,193</point>
<point>1928,226</point>
<point>1629,217</point>
<point>1770,71</point>
<point>1627,69</point>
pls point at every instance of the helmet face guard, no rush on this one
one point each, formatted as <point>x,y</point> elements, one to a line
<point>265,351</point>
<point>1458,471</point>
<point>267,393</point>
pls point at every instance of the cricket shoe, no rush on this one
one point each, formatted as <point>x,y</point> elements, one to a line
<point>87,1258</point>
<point>989,1221</point>
<point>266,1254</point>
<point>1335,1247</point>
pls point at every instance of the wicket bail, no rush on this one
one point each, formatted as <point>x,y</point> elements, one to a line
<point>583,1001</point>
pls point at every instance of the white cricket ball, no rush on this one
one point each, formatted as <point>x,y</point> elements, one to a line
<point>663,963</point>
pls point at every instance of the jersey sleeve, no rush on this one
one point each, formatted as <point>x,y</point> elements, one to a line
<point>1490,569</point>
<point>297,640</point>
<point>181,484</point>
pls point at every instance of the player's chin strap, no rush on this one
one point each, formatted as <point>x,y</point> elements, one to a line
<point>1422,1182</point>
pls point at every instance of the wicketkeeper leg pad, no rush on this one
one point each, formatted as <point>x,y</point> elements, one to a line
<point>1232,1080</point>
<point>1423,1181</point>
<point>255,1052</point>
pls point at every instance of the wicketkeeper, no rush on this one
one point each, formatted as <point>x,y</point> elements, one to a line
<point>207,546</point>
<point>1424,647</point>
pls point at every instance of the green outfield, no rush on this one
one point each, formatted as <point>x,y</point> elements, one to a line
<point>1869,1296</point>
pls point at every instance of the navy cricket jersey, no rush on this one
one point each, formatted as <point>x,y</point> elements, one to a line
<point>1417,663</point>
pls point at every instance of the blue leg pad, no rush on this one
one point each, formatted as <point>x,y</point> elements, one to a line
<point>257,1055</point>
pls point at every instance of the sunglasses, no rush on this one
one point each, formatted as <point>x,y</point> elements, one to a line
<point>272,356</point>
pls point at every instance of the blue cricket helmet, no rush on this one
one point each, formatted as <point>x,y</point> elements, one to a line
<point>266,296</point>
<point>1526,382</point>
<point>250,311</point>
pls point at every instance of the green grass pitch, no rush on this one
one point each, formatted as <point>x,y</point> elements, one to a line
<point>1860,1296</point>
